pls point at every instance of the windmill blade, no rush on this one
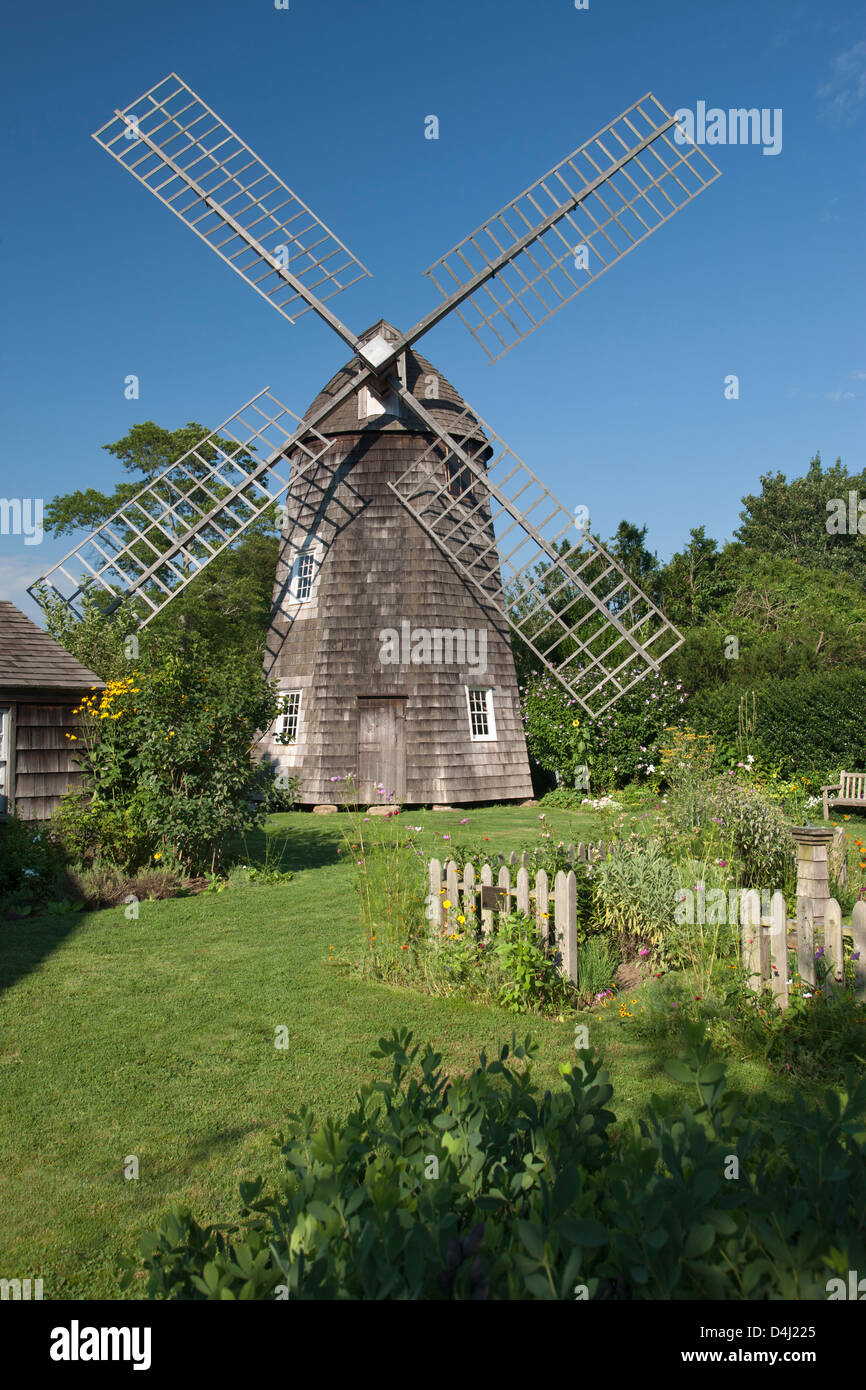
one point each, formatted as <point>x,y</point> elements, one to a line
<point>564,595</point>
<point>161,539</point>
<point>540,251</point>
<point>175,145</point>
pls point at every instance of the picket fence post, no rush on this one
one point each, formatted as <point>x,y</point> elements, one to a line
<point>806,941</point>
<point>542,906</point>
<point>565,909</point>
<point>779,947</point>
<point>858,931</point>
<point>435,900</point>
<point>486,914</point>
<point>833,957</point>
<point>750,918</point>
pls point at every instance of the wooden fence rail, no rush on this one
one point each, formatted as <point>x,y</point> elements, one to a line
<point>765,939</point>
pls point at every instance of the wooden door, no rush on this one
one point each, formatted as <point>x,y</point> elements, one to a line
<point>381,749</point>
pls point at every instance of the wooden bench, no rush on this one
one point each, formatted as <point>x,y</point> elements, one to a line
<point>852,792</point>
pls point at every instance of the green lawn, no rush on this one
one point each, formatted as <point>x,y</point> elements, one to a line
<point>155,1037</point>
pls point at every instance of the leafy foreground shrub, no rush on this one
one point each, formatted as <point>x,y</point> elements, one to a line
<point>481,1189</point>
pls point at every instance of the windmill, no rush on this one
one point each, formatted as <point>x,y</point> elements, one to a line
<point>414,541</point>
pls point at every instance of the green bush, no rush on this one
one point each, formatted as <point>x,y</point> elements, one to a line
<point>761,841</point>
<point>32,862</point>
<point>814,721</point>
<point>523,973</point>
<point>596,969</point>
<point>479,1188</point>
<point>619,747</point>
<point>636,890</point>
<point>166,759</point>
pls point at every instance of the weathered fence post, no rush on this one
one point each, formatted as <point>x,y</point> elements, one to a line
<point>452,890</point>
<point>750,917</point>
<point>565,891</point>
<point>833,957</point>
<point>435,900</point>
<point>858,931</point>
<point>806,940</point>
<point>779,948</point>
<point>542,905</point>
<point>523,889</point>
<point>469,890</point>
<point>486,913</point>
<point>505,884</point>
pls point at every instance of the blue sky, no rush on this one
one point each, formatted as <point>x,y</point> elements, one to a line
<point>618,402</point>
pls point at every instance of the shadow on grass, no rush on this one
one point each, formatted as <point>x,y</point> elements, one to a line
<point>26,943</point>
<point>302,843</point>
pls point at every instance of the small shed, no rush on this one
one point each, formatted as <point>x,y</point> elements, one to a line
<point>40,685</point>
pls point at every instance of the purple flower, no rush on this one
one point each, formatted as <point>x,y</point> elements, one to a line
<point>819,953</point>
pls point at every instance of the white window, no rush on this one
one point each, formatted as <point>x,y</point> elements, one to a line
<point>5,791</point>
<point>482,722</point>
<point>286,727</point>
<point>304,570</point>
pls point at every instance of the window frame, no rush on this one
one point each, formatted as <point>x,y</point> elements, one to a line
<point>308,551</point>
<point>285,714</point>
<point>489,712</point>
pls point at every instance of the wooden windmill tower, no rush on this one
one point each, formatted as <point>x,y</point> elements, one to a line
<point>413,541</point>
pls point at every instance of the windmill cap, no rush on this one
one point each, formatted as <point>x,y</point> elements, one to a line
<point>426,383</point>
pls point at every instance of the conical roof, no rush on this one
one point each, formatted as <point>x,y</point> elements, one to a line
<point>425,382</point>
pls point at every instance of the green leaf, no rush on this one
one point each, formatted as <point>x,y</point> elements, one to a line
<point>585,1231</point>
<point>679,1071</point>
<point>532,1239</point>
<point>699,1240</point>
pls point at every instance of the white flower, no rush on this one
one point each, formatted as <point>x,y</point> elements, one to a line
<point>750,758</point>
<point>651,767</point>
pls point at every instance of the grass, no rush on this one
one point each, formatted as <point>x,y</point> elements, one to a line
<point>155,1038</point>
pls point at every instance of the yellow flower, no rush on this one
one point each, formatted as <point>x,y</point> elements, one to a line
<point>157,856</point>
<point>446,903</point>
<point>461,919</point>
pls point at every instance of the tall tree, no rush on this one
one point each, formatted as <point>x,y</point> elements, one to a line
<point>801,518</point>
<point>229,602</point>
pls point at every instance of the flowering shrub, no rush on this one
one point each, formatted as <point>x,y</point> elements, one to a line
<point>166,758</point>
<point>621,746</point>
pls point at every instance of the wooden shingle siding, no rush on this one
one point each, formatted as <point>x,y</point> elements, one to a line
<point>378,568</point>
<point>41,685</point>
<point>44,766</point>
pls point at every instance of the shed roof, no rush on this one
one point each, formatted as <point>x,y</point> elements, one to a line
<point>30,657</point>
<point>422,379</point>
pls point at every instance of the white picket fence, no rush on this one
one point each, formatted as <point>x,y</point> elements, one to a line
<point>554,907</point>
<point>765,944</point>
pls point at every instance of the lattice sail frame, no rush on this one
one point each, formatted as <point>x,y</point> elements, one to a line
<point>608,196</point>
<point>165,535</point>
<point>472,494</point>
<point>175,145</point>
